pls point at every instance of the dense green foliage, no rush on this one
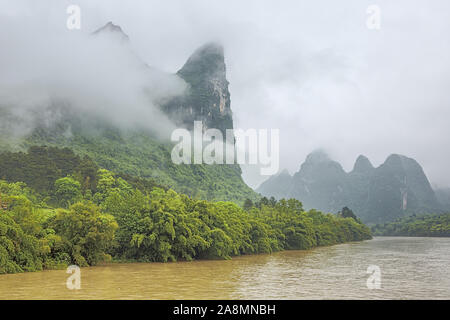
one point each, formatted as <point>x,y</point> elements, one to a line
<point>346,212</point>
<point>152,225</point>
<point>40,167</point>
<point>437,225</point>
<point>67,191</point>
<point>84,215</point>
<point>140,155</point>
<point>19,251</point>
<point>33,236</point>
<point>86,234</point>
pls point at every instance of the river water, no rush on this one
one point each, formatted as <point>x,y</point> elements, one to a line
<point>410,268</point>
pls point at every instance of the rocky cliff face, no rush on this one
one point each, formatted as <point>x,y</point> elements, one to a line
<point>207,98</point>
<point>396,188</point>
<point>399,187</point>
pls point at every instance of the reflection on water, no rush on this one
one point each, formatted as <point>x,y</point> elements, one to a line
<point>412,268</point>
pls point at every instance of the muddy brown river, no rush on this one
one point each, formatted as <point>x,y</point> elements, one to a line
<point>410,268</point>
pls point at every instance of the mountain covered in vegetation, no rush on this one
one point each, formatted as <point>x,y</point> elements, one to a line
<point>83,187</point>
<point>397,188</point>
<point>146,153</point>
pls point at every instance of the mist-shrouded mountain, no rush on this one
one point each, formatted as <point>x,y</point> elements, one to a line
<point>144,151</point>
<point>278,185</point>
<point>208,98</point>
<point>443,196</point>
<point>111,29</point>
<point>397,188</point>
<point>320,180</point>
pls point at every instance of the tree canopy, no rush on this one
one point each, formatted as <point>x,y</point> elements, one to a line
<point>87,217</point>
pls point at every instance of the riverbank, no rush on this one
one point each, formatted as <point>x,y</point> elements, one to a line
<point>411,268</point>
<point>433,225</point>
<point>123,223</point>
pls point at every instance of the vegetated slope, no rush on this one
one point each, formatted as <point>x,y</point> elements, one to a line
<point>145,154</point>
<point>140,155</point>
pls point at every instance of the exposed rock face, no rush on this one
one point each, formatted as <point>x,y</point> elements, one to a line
<point>399,187</point>
<point>396,188</point>
<point>207,98</point>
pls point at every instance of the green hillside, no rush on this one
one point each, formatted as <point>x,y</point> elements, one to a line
<point>137,152</point>
<point>140,155</point>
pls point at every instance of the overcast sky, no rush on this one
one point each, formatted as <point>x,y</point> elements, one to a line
<point>312,69</point>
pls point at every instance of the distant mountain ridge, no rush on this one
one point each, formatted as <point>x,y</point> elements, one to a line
<point>396,188</point>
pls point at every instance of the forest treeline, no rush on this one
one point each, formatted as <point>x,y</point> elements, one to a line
<point>84,215</point>
<point>435,225</point>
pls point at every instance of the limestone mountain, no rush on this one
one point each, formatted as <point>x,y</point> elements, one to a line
<point>142,153</point>
<point>363,166</point>
<point>278,185</point>
<point>208,98</point>
<point>320,181</point>
<point>397,188</point>
<point>358,183</point>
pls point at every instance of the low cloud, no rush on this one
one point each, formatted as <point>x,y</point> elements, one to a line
<point>311,69</point>
<point>49,71</point>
